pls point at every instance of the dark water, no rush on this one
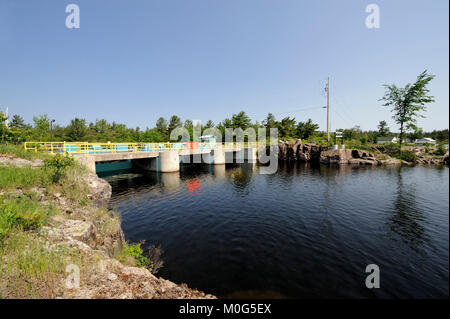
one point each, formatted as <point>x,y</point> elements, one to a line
<point>303,232</point>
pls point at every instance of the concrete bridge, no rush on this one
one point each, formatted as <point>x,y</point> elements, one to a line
<point>158,157</point>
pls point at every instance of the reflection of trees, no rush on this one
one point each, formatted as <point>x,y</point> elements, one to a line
<point>408,219</point>
<point>241,177</point>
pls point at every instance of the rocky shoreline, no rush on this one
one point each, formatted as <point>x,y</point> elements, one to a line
<point>311,153</point>
<point>112,279</point>
<point>92,232</point>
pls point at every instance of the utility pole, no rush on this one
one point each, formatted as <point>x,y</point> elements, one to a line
<point>328,109</point>
<point>7,118</point>
<point>51,130</point>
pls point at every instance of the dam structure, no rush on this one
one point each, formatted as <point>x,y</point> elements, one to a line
<point>157,157</point>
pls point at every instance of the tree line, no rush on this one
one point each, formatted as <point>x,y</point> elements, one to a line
<point>406,103</point>
<point>43,129</point>
<point>79,130</point>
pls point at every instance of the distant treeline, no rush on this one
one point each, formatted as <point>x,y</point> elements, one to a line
<point>102,131</point>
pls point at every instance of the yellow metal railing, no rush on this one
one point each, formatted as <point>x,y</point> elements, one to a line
<point>105,148</point>
<point>74,148</point>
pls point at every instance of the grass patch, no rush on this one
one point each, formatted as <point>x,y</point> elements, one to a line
<point>19,151</point>
<point>22,213</point>
<point>20,177</point>
<point>31,268</point>
<point>132,255</point>
<point>74,185</point>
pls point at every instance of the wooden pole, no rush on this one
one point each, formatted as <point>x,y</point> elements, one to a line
<point>328,110</point>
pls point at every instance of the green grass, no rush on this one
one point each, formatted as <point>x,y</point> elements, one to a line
<point>20,177</point>
<point>19,151</point>
<point>132,255</point>
<point>22,213</point>
<point>32,269</point>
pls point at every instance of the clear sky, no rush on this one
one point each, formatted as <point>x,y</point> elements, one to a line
<point>133,61</point>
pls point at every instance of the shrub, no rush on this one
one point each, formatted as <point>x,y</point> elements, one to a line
<point>408,156</point>
<point>59,163</point>
<point>135,251</point>
<point>393,149</point>
<point>441,150</point>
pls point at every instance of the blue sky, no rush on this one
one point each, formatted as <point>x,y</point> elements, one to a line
<point>133,61</point>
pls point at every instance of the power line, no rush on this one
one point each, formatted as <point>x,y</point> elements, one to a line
<point>293,111</point>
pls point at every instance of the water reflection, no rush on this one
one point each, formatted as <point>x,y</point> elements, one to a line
<point>241,177</point>
<point>305,231</point>
<point>194,187</point>
<point>408,219</point>
<point>169,180</point>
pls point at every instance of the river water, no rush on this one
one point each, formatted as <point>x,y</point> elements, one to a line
<point>304,232</point>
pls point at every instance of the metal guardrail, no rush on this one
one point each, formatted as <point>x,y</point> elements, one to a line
<point>75,148</point>
<point>107,148</point>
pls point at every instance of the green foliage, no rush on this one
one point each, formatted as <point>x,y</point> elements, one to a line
<point>19,151</point>
<point>415,132</point>
<point>161,127</point>
<point>135,251</point>
<point>77,130</point>
<point>240,120</point>
<point>440,150</point>
<point>287,128</point>
<point>270,121</point>
<point>209,124</point>
<point>407,155</point>
<point>22,213</point>
<point>20,177</point>
<point>383,129</point>
<point>407,102</point>
<point>59,164</point>
<point>306,129</point>
<point>41,128</point>
<point>18,122</point>
<point>102,131</point>
<point>439,135</point>
<point>175,122</point>
<point>392,149</point>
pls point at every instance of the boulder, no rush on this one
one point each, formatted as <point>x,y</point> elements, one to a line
<point>360,161</point>
<point>282,151</point>
<point>69,229</point>
<point>391,161</point>
<point>100,190</point>
<point>362,154</point>
<point>9,160</point>
<point>341,156</point>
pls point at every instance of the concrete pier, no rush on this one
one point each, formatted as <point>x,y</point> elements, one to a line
<point>218,156</point>
<point>169,162</point>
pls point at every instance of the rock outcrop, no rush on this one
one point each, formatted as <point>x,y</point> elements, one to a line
<point>108,277</point>
<point>348,156</point>
<point>100,190</point>
<point>10,160</point>
<point>298,151</point>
